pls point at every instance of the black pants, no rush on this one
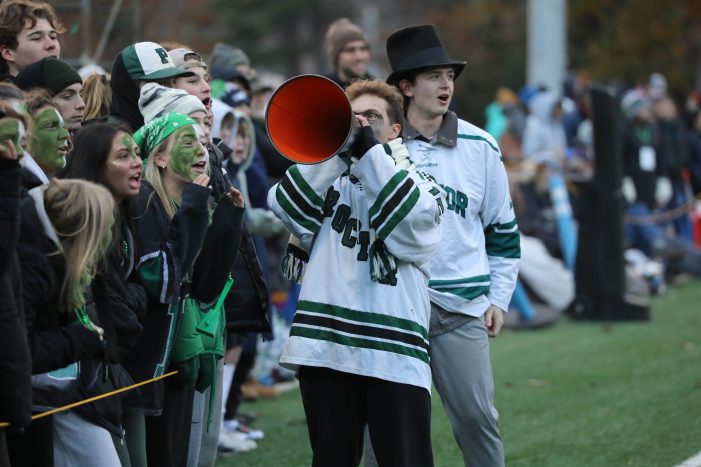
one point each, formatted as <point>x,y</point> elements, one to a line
<point>34,446</point>
<point>168,436</point>
<point>243,368</point>
<point>338,406</point>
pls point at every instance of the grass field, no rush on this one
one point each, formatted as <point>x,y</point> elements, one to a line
<point>575,394</point>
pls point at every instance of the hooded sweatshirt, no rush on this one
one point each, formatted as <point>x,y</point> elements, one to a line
<point>544,138</point>
<point>125,96</point>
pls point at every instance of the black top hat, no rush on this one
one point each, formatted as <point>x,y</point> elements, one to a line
<point>417,47</point>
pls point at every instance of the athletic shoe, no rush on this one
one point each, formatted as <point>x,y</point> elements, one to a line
<point>237,442</point>
<point>234,426</point>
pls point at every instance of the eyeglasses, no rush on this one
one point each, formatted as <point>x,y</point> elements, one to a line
<point>371,116</point>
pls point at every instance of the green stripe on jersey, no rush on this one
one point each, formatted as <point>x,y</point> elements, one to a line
<point>307,190</point>
<point>327,335</point>
<point>468,293</point>
<point>294,213</point>
<point>464,280</point>
<point>503,245</point>
<point>400,214</point>
<point>387,190</point>
<point>365,317</point>
<point>479,138</point>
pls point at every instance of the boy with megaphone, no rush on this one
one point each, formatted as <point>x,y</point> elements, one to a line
<point>359,339</point>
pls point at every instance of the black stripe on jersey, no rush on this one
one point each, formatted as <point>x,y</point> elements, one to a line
<point>302,204</point>
<point>392,203</point>
<point>361,330</point>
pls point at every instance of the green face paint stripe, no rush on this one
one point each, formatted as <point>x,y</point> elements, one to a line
<point>363,316</point>
<point>129,144</point>
<point>331,336</point>
<point>386,191</point>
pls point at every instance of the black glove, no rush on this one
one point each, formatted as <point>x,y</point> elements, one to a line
<point>363,142</point>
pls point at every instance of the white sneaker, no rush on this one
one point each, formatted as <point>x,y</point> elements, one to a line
<point>235,426</point>
<point>236,441</point>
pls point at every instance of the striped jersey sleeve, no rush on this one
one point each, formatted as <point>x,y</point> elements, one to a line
<point>405,207</point>
<point>501,235</point>
<point>298,199</point>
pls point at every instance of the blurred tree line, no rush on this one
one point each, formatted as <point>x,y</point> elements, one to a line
<point>620,41</point>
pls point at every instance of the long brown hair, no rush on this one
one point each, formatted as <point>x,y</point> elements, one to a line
<point>82,214</point>
<point>97,94</point>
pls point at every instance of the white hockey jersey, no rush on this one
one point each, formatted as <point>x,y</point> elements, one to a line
<point>344,319</point>
<point>477,263</point>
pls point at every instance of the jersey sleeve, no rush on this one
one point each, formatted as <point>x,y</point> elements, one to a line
<point>298,199</point>
<point>501,235</point>
<point>405,207</point>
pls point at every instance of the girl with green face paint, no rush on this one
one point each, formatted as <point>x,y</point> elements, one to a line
<point>48,140</point>
<point>181,237</point>
<point>188,157</point>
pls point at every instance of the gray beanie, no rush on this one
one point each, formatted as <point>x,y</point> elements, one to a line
<point>156,100</point>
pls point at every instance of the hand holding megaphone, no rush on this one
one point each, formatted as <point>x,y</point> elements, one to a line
<point>364,138</point>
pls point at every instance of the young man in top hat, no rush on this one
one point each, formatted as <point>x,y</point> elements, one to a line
<point>473,275</point>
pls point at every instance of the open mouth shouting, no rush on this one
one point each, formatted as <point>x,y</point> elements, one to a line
<point>444,99</point>
<point>135,181</point>
<point>199,167</point>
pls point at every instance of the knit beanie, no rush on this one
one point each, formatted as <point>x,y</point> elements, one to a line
<point>339,33</point>
<point>156,100</point>
<point>224,60</point>
<point>48,73</point>
<point>633,102</point>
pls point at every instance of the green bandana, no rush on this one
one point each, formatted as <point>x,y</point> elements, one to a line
<point>149,136</point>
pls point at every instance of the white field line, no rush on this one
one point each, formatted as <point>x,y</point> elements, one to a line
<point>694,461</point>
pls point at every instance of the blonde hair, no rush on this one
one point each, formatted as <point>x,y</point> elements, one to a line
<point>97,94</point>
<point>152,174</point>
<point>82,214</point>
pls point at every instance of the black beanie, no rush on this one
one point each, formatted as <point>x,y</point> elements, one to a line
<point>48,73</point>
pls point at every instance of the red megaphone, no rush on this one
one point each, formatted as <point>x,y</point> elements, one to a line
<point>309,119</point>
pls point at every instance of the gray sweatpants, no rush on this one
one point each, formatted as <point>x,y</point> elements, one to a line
<point>462,375</point>
<point>78,443</point>
<point>203,438</point>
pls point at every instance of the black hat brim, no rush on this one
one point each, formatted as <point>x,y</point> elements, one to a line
<point>396,76</point>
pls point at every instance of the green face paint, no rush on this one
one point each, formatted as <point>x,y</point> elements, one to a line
<point>48,141</point>
<point>12,129</point>
<point>130,146</point>
<point>186,152</point>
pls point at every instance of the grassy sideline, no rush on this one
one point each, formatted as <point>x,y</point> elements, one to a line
<point>576,394</point>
